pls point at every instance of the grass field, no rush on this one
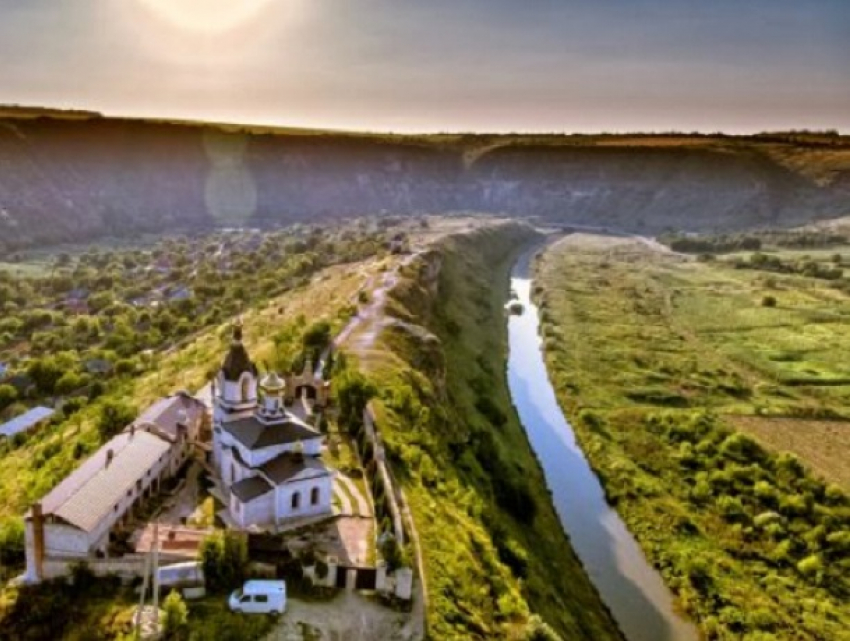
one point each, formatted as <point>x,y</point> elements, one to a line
<point>670,330</point>
<point>686,389</point>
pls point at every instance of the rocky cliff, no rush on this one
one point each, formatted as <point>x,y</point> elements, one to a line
<point>64,179</point>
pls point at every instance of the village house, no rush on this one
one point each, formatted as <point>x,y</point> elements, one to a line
<point>26,422</point>
<point>77,519</point>
<point>267,458</point>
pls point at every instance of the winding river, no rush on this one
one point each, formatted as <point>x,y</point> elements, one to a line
<point>632,589</point>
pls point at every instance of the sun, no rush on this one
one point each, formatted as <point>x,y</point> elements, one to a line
<point>210,17</point>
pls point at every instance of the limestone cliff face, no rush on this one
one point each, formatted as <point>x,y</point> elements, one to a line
<point>72,179</point>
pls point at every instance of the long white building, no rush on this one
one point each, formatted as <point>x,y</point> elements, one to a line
<point>76,518</point>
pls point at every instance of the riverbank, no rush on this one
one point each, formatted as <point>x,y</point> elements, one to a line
<point>631,588</point>
<point>753,545</point>
<point>495,552</point>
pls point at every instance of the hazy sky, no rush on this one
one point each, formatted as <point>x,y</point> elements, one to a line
<point>438,65</point>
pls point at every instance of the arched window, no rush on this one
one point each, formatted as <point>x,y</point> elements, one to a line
<point>314,496</point>
<point>245,389</point>
<point>296,500</point>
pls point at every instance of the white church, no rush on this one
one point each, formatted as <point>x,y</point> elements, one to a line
<point>267,458</point>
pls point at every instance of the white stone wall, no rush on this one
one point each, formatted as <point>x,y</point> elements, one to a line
<point>260,511</point>
<point>64,540</point>
<point>285,492</point>
<point>231,391</point>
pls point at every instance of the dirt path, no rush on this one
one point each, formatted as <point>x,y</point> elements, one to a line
<point>348,617</point>
<point>359,336</point>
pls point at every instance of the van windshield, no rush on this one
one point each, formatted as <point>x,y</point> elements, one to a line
<point>238,593</point>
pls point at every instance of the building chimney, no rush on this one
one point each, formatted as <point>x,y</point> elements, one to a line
<point>109,456</point>
<point>38,540</point>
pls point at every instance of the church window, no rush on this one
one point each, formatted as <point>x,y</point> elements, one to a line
<point>296,500</point>
<point>245,385</point>
<point>314,496</point>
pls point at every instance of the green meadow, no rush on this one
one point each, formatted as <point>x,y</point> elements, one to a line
<point>692,384</point>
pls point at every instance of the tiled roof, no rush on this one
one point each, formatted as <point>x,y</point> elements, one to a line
<point>25,421</point>
<point>294,467</point>
<point>255,435</point>
<point>250,488</point>
<point>90,493</point>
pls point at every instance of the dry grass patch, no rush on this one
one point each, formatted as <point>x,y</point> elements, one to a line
<point>824,445</point>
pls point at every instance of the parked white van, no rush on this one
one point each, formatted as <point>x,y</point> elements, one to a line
<point>259,597</point>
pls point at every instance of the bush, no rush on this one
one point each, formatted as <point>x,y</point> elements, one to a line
<point>811,566</point>
<point>538,630</point>
<point>12,542</point>
<point>175,617</point>
<point>768,301</point>
<point>513,495</point>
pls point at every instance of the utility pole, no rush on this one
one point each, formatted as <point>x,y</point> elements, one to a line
<point>155,553</point>
<point>145,572</point>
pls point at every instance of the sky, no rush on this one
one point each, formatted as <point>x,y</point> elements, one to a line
<point>737,66</point>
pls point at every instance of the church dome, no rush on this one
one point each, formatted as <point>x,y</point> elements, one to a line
<point>272,382</point>
<point>237,361</point>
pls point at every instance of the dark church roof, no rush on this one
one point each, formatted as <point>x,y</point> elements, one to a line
<point>293,467</point>
<point>255,434</point>
<point>237,361</point>
<point>250,488</point>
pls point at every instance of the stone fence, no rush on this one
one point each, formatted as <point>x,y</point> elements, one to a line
<point>126,567</point>
<point>384,474</point>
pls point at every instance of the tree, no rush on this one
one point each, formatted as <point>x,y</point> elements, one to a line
<point>8,395</point>
<point>176,615</point>
<point>68,382</point>
<point>45,372</point>
<point>353,393</point>
<point>224,558</point>
<point>113,417</point>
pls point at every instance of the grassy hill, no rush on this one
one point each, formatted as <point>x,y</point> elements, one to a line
<point>494,550</point>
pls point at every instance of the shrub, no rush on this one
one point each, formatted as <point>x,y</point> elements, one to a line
<point>391,551</point>
<point>768,301</point>
<point>12,542</point>
<point>512,555</point>
<point>8,395</point>
<point>175,615</point>
<point>538,630</point>
<point>731,508</point>
<point>811,566</point>
<point>741,448</point>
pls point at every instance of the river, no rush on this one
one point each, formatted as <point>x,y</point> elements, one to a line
<point>631,588</point>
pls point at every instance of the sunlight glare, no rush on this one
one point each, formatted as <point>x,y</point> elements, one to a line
<point>211,17</point>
